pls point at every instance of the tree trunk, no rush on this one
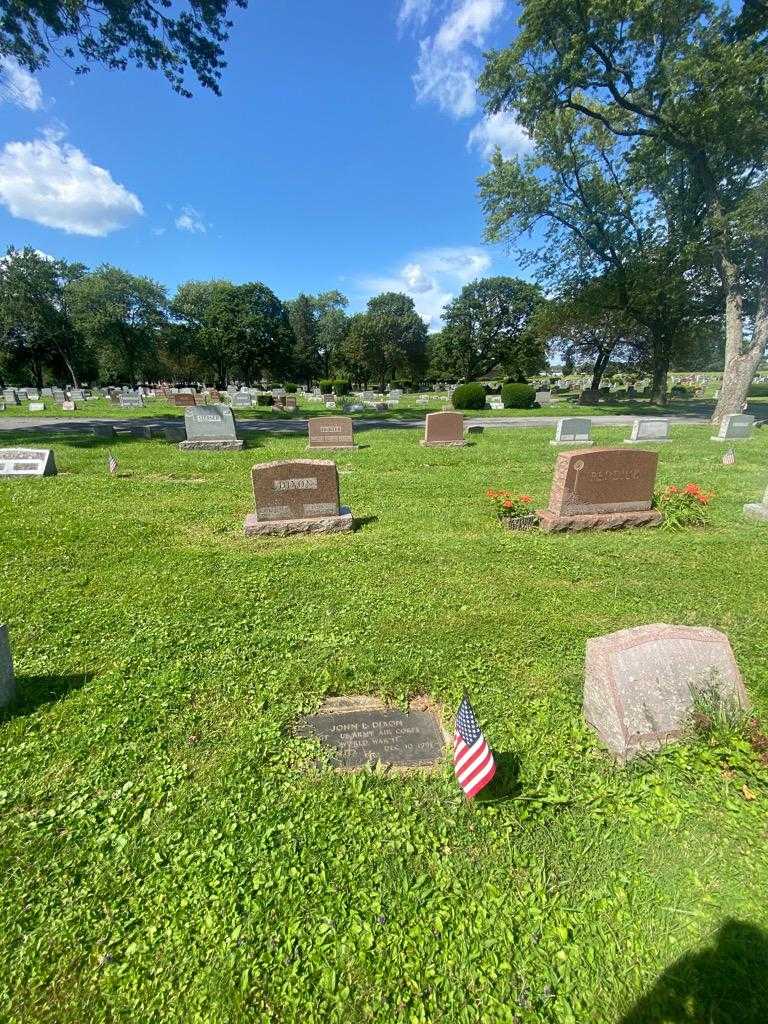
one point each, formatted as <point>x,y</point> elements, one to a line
<point>599,368</point>
<point>659,394</point>
<point>740,364</point>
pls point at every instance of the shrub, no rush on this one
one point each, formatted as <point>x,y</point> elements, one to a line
<point>326,387</point>
<point>680,391</point>
<point>683,506</point>
<point>517,396</point>
<point>341,387</point>
<point>291,389</point>
<point>265,400</point>
<point>469,396</point>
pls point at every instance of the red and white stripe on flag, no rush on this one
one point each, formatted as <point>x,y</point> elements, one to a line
<point>473,762</point>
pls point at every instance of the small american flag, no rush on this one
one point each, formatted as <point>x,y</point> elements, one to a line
<point>472,758</point>
<point>112,464</point>
<point>729,458</point>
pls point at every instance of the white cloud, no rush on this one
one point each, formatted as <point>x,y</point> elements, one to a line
<point>448,63</point>
<point>413,11</point>
<point>57,185</point>
<point>500,130</point>
<point>469,23</point>
<point>448,80</point>
<point>432,278</point>
<point>18,86</point>
<point>190,220</point>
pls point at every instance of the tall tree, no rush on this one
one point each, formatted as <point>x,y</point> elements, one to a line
<point>682,86</point>
<point>235,330</point>
<point>397,337</point>
<point>490,323</point>
<point>189,35</point>
<point>120,315</point>
<point>306,359</point>
<point>36,332</point>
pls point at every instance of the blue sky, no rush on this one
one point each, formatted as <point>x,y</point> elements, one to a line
<point>343,153</point>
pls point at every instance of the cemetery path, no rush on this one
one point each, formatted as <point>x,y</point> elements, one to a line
<point>51,424</point>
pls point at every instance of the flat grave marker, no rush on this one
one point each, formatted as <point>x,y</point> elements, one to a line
<point>601,489</point>
<point>640,684</point>
<point>298,496</point>
<point>758,510</point>
<point>405,739</point>
<point>36,407</point>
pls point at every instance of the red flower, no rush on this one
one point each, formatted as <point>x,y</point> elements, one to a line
<point>526,499</point>
<point>507,503</point>
<point>691,489</point>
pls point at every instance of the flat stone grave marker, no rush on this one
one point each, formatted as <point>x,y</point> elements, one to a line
<point>36,407</point>
<point>640,683</point>
<point>736,427</point>
<point>131,401</point>
<point>405,739</point>
<point>296,496</point>
<point>647,429</point>
<point>210,428</point>
<point>601,489</point>
<point>7,680</point>
<point>573,430</point>
<point>241,400</point>
<point>331,432</point>
<point>444,430</point>
<point>27,462</point>
<point>758,510</point>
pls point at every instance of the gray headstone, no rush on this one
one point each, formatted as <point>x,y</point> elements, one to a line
<point>103,430</point>
<point>646,429</point>
<point>7,681</point>
<point>241,400</point>
<point>391,737</point>
<point>36,407</point>
<point>209,423</point>
<point>573,430</point>
<point>27,462</point>
<point>640,684</point>
<point>131,401</point>
<point>543,397</point>
<point>735,427</point>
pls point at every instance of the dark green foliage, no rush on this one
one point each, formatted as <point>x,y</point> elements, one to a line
<point>265,399</point>
<point>326,386</point>
<point>341,387</point>
<point>469,396</point>
<point>517,396</point>
<point>291,389</point>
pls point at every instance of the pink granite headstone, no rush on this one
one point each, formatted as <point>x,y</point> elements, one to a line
<point>640,683</point>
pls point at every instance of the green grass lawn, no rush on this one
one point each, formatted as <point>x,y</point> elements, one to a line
<point>170,853</point>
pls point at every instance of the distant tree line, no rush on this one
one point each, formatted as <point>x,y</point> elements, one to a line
<point>60,322</point>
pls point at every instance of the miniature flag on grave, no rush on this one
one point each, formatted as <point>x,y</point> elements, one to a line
<point>473,761</point>
<point>112,464</point>
<point>729,458</point>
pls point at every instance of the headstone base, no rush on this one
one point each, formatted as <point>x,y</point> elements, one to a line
<point>579,441</point>
<point>211,446</point>
<point>729,440</point>
<point>757,511</point>
<point>444,444</point>
<point>332,447</point>
<point>549,522</point>
<point>341,523</point>
<point>650,440</point>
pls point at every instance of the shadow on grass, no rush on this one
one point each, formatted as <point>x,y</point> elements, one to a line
<point>32,692</point>
<point>506,783</point>
<point>358,522</point>
<point>725,983</point>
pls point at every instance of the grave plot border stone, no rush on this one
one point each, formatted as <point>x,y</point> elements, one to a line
<point>343,522</point>
<point>603,706</point>
<point>7,678</point>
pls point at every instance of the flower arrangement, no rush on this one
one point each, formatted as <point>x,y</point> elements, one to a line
<point>512,508</point>
<point>683,506</point>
